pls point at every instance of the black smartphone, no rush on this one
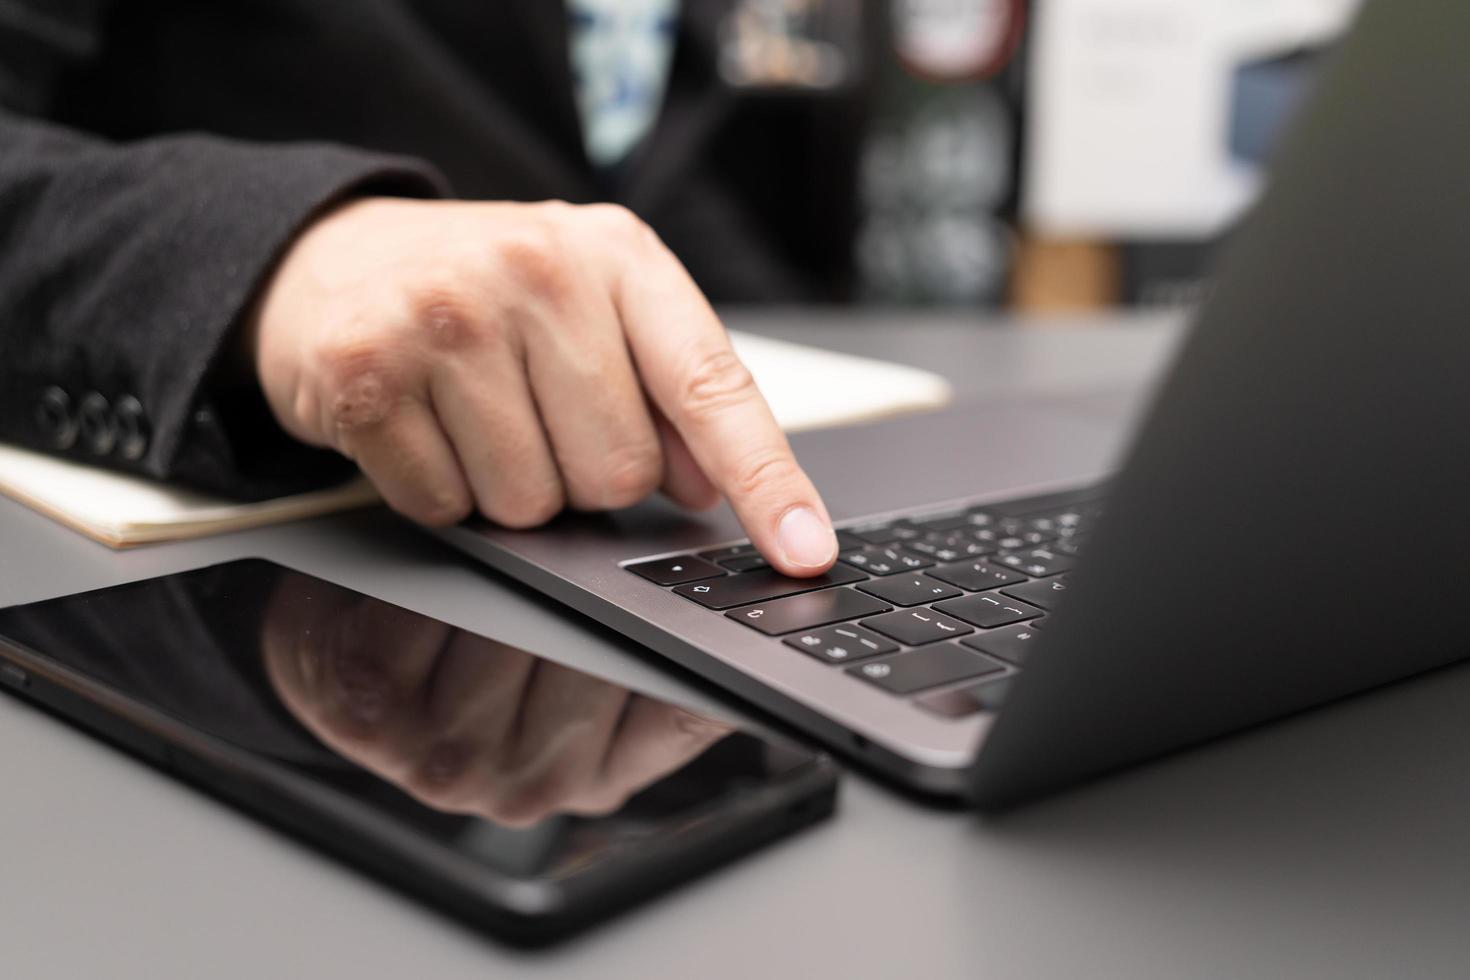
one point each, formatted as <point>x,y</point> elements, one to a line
<point>528,798</point>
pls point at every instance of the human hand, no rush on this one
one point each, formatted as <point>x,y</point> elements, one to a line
<point>519,358</point>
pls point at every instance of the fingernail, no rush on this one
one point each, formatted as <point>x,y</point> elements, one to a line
<point>805,539</point>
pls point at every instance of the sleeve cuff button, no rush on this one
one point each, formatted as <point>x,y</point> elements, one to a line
<point>99,427</point>
<point>55,419</point>
<point>132,425</point>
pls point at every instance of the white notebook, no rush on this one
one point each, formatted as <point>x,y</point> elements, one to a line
<point>808,388</point>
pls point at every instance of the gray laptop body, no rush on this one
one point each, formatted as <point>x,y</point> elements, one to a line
<point>1288,527</point>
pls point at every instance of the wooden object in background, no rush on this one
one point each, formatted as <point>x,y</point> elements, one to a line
<point>1053,275</point>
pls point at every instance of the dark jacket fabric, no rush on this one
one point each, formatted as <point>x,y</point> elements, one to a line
<point>157,156</point>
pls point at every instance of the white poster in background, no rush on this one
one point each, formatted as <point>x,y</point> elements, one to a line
<point>1129,110</point>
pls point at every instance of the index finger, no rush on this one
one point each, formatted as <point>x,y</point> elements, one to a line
<point>694,376</point>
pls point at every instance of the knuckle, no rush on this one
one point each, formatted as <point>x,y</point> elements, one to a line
<point>361,697</point>
<point>760,471</point>
<point>441,777</point>
<point>717,380</point>
<point>361,384</point>
<point>441,317</point>
<point>534,260</point>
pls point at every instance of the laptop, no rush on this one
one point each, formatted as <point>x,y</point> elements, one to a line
<point>1290,523</point>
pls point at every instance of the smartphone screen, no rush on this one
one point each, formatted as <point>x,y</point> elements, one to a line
<point>402,727</point>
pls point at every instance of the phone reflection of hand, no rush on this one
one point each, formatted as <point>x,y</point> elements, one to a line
<point>468,725</point>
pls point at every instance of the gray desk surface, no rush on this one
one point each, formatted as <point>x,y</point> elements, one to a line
<point>1332,845</point>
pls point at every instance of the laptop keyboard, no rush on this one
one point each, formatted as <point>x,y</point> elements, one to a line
<point>941,608</point>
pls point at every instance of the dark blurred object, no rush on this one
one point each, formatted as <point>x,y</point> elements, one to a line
<point>1265,97</point>
<point>938,173</point>
<point>1168,274</point>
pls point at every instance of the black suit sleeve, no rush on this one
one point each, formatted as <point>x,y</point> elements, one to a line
<point>125,266</point>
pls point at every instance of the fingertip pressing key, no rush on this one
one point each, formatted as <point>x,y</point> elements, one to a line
<point>806,539</point>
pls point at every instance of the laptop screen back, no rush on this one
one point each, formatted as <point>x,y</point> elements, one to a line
<point>1291,524</point>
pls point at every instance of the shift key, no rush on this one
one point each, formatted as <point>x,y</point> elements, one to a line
<point>761,585</point>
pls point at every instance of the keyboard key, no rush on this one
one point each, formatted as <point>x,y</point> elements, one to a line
<point>762,585</point>
<point>951,545</point>
<point>877,534</point>
<point>1044,592</point>
<point>909,590</point>
<point>941,522</point>
<point>988,609</point>
<point>965,701</point>
<point>841,644</point>
<point>973,548</point>
<point>883,533</point>
<point>977,576</point>
<point>912,562</point>
<point>885,561</point>
<point>941,552</point>
<point>676,571</point>
<point>1027,533</point>
<point>916,670</point>
<point>914,627</point>
<point>1012,526</point>
<point>734,551</point>
<point>988,536</point>
<point>1037,562</point>
<point>801,612</point>
<point>744,563</point>
<point>1013,644</point>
